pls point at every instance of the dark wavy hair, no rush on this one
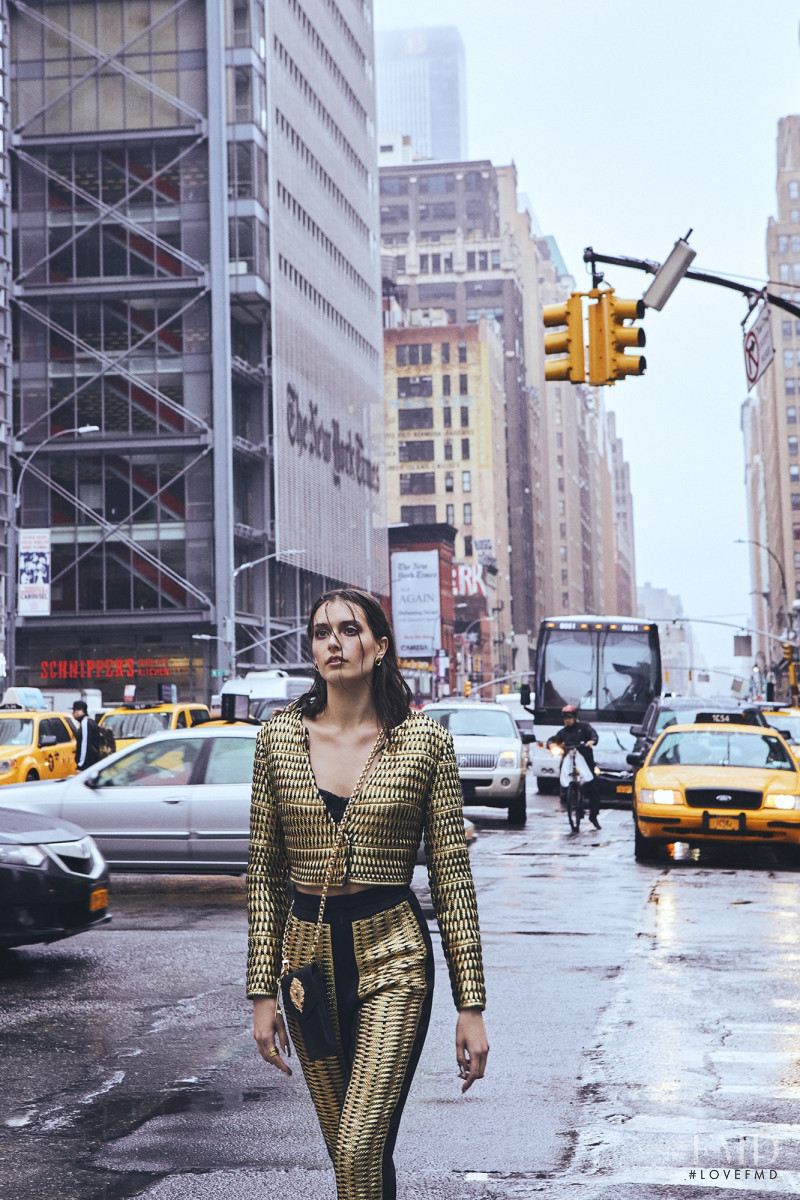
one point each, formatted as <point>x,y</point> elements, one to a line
<point>391,694</point>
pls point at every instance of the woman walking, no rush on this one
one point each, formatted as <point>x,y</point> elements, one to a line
<point>346,781</point>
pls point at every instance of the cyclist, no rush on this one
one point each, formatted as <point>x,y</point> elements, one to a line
<point>581,735</point>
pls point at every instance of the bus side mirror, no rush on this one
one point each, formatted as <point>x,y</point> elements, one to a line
<point>525,694</point>
<point>637,731</point>
<point>634,760</point>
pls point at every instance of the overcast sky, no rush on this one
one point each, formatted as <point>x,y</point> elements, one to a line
<point>630,123</point>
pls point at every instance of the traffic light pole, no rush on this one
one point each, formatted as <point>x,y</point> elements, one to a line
<point>645,264</point>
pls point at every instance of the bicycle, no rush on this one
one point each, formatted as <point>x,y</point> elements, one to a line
<point>572,777</point>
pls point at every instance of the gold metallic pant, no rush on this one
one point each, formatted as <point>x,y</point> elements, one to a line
<point>376,955</point>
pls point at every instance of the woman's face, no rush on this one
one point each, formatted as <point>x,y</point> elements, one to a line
<point>344,646</point>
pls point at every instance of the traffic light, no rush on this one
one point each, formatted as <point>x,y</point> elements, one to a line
<point>610,338</point>
<point>467,686</point>
<point>788,652</point>
<point>567,341</point>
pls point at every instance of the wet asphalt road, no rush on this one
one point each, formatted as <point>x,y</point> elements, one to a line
<point>644,1022</point>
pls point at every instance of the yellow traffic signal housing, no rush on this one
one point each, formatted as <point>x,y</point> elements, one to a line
<point>788,652</point>
<point>568,341</point>
<point>610,338</point>
<point>467,686</point>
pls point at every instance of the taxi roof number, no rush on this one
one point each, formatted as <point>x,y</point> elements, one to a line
<point>724,718</point>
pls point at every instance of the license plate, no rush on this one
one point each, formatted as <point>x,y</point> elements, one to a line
<point>624,787</point>
<point>723,823</point>
<point>98,900</point>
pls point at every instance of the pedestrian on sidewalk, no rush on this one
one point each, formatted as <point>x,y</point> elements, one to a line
<point>87,738</point>
<point>346,781</point>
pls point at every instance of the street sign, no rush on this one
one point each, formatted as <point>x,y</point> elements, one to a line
<point>758,349</point>
<point>215,673</point>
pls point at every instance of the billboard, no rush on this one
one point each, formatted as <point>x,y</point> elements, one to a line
<point>416,602</point>
<point>33,573</point>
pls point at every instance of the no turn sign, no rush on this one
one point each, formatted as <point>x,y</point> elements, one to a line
<point>758,349</point>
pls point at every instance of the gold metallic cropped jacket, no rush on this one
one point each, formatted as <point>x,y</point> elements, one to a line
<point>415,789</point>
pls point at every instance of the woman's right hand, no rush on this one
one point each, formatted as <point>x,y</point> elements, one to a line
<point>270,1033</point>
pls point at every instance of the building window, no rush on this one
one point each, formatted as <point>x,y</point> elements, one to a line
<point>561,484</point>
<point>415,418</point>
<point>394,185</point>
<point>416,451</point>
<point>783,272</point>
<point>783,244</point>
<point>418,514</point>
<point>559,440</point>
<point>483,260</point>
<point>794,473</point>
<point>436,264</point>
<point>795,501</point>
<point>562,553</point>
<point>446,386</point>
<point>565,576</point>
<point>797,560</point>
<point>445,352</point>
<point>400,264</point>
<point>786,329</point>
<point>443,211</point>
<point>431,184</point>
<point>448,481</point>
<point>562,530</point>
<point>418,483</point>
<point>448,449</point>
<point>467,514</point>
<point>474,209</point>
<point>796,272</point>
<point>791,415</point>
<point>562,508</point>
<point>495,260</point>
<point>414,385</point>
<point>466,482</point>
<point>467,546</point>
<point>462,352</point>
<point>794,190</point>
<point>450,514</point>
<point>414,354</point>
<point>465,447</point>
<point>794,215</point>
<point>464,416</point>
<point>565,599</point>
<point>447,261</point>
<point>788,359</point>
<point>447,410</point>
<point>423,264</point>
<point>470,260</point>
<point>793,446</point>
<point>393,212</point>
<point>796,532</point>
<point>472,181</point>
<point>463,385</point>
<point>788,387</point>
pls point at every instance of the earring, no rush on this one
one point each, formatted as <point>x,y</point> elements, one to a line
<point>378,662</point>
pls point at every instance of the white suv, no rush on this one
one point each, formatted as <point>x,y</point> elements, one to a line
<point>491,753</point>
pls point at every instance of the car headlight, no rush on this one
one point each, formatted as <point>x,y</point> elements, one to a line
<point>782,801</point>
<point>556,750</point>
<point>22,856</point>
<point>7,764</point>
<point>659,796</point>
<point>508,758</point>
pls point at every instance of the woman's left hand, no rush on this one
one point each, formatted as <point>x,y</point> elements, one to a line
<point>472,1046</point>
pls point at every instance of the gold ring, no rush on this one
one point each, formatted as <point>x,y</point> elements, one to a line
<point>272,1050</point>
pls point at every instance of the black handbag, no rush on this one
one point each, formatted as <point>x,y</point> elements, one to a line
<point>303,991</point>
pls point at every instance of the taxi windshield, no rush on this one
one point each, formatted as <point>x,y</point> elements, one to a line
<point>709,748</point>
<point>15,731</point>
<point>136,724</point>
<point>786,724</point>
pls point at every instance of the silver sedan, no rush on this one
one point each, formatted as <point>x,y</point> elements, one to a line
<point>173,802</point>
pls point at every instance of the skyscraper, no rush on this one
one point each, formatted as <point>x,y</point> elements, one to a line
<point>421,81</point>
<point>210,312</point>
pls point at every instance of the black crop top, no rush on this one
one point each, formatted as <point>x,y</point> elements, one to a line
<point>334,804</point>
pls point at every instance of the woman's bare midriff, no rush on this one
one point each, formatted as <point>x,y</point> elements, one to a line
<point>346,889</point>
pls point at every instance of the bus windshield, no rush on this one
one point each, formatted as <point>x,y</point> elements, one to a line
<point>609,670</point>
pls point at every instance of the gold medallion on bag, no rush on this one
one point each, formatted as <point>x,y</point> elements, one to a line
<point>297,994</point>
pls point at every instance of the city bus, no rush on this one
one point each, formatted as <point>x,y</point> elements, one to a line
<point>608,667</point>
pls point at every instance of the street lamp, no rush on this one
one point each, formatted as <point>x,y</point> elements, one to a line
<point>13,572</point>
<point>779,564</point>
<point>266,558</point>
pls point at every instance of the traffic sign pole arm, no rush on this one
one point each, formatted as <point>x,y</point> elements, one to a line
<point>644,264</point>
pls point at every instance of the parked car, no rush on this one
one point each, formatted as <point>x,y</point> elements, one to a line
<point>492,754</point>
<point>53,880</point>
<point>35,745</point>
<point>175,803</point>
<point>131,722</point>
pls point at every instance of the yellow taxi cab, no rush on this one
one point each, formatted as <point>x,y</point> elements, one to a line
<point>130,722</point>
<point>718,780</point>
<point>787,723</point>
<point>35,744</point>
